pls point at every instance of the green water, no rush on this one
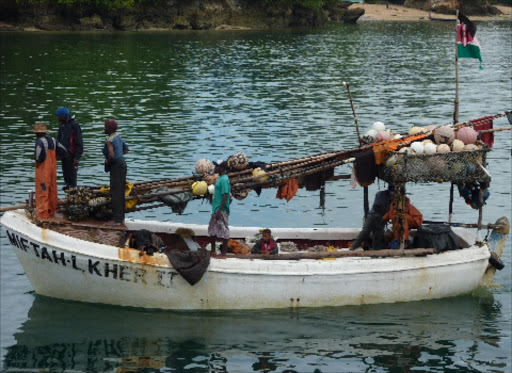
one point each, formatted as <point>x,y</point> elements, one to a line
<point>274,95</point>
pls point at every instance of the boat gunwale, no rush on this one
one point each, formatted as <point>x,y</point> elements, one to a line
<point>226,265</point>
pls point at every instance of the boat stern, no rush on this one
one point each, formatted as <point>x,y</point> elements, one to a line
<point>496,242</point>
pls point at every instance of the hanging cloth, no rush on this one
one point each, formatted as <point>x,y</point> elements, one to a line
<point>365,167</point>
<point>382,149</point>
<point>288,190</point>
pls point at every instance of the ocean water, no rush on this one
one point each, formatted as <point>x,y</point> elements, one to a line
<point>274,95</point>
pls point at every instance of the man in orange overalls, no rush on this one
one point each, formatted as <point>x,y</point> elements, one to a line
<point>46,152</point>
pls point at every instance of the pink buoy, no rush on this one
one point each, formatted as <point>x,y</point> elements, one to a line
<point>382,136</point>
<point>467,135</point>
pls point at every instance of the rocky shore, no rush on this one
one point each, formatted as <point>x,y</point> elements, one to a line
<point>221,14</point>
<point>172,15</point>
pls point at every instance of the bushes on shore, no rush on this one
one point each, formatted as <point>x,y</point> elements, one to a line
<point>128,4</point>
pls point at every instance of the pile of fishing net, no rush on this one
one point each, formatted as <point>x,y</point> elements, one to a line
<point>84,202</point>
<point>458,166</point>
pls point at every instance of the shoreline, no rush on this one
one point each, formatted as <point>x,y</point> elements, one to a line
<point>379,12</point>
<point>373,12</point>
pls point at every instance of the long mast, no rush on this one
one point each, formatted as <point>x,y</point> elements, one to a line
<point>456,110</point>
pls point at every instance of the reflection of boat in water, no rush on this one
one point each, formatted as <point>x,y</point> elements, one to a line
<point>96,338</point>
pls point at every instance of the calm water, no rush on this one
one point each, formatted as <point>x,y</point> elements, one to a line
<point>276,95</point>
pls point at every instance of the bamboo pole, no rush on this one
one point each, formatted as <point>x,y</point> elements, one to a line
<point>463,225</point>
<point>366,203</point>
<point>450,209</point>
<point>496,130</point>
<point>14,207</point>
<point>456,109</point>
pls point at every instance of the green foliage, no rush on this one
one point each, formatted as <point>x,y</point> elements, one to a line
<point>106,4</point>
<point>126,4</point>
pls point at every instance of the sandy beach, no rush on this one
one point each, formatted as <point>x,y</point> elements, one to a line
<point>401,13</point>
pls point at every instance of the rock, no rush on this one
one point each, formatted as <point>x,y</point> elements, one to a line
<point>172,14</point>
<point>352,15</point>
<point>93,21</point>
<point>125,23</point>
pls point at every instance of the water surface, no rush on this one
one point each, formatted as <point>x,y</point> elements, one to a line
<point>274,95</point>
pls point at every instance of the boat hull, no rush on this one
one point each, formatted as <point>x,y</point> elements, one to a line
<point>64,267</point>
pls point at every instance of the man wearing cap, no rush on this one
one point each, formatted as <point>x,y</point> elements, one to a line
<point>70,136</point>
<point>218,227</point>
<point>46,153</point>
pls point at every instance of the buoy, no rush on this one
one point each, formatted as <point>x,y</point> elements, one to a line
<point>429,129</point>
<point>370,136</point>
<point>427,141</point>
<point>417,147</point>
<point>259,175</point>
<point>241,194</point>
<point>444,135</point>
<point>379,126</point>
<point>457,145</point>
<point>436,165</point>
<point>467,135</point>
<point>238,161</point>
<point>414,130</point>
<point>443,148</point>
<point>495,261</point>
<point>430,148</point>
<point>199,188</point>
<point>203,166</point>
<point>211,189</point>
<point>382,136</point>
<point>470,147</point>
<point>210,178</point>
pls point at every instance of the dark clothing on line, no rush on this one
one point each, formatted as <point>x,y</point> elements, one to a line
<point>365,167</point>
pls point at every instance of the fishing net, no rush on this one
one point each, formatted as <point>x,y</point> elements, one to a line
<point>83,202</point>
<point>456,167</point>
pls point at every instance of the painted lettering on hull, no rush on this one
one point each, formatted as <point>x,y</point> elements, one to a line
<point>94,267</point>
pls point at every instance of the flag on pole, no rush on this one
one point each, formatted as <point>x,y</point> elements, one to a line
<point>467,43</point>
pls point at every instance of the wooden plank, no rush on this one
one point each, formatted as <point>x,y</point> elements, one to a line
<point>340,254</point>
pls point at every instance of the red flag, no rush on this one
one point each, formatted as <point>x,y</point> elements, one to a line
<point>481,124</point>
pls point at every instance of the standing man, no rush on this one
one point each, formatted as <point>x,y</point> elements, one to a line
<point>114,150</point>
<point>70,136</point>
<point>218,227</point>
<point>46,153</point>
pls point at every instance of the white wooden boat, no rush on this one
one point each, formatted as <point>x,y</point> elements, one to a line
<point>62,266</point>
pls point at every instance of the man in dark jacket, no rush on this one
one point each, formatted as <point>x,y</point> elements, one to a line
<point>70,136</point>
<point>373,229</point>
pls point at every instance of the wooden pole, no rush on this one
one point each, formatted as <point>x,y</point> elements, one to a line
<point>353,112</point>
<point>450,210</point>
<point>456,110</point>
<point>463,225</point>
<point>480,209</point>
<point>360,140</point>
